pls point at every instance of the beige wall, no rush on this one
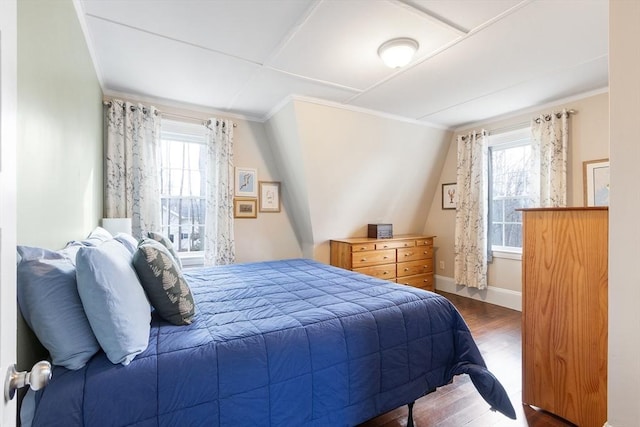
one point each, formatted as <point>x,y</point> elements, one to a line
<point>589,140</point>
<point>59,156</point>
<point>624,232</point>
<point>353,168</point>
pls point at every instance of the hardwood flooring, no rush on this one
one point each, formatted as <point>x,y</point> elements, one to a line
<point>497,331</point>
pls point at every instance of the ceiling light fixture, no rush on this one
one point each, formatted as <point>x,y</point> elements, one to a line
<point>396,53</point>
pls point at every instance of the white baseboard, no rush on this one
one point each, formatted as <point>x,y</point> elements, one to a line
<point>492,295</point>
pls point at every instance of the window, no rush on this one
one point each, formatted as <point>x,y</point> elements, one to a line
<point>510,187</point>
<point>183,184</point>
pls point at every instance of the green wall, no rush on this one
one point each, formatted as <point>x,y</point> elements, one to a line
<point>59,154</point>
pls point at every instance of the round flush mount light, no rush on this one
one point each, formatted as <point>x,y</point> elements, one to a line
<point>397,53</point>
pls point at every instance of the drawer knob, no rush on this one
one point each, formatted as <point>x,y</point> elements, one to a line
<point>406,244</point>
<point>385,272</point>
<point>406,269</point>
<point>385,257</point>
<point>385,246</point>
<point>408,254</point>
<point>363,259</point>
<point>362,248</point>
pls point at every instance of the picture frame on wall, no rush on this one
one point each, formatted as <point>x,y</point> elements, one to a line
<point>269,196</point>
<point>246,184</point>
<point>449,195</point>
<point>244,207</point>
<point>595,178</point>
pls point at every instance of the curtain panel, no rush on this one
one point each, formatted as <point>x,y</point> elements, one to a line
<point>550,138</point>
<point>219,233</point>
<point>470,240</point>
<point>132,176</point>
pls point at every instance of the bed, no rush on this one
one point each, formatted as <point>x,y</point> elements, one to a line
<point>282,343</point>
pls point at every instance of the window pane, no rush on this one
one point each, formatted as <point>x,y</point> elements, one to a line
<point>513,235</point>
<point>511,215</point>
<point>183,199</point>
<point>497,212</point>
<point>496,234</point>
<point>510,190</point>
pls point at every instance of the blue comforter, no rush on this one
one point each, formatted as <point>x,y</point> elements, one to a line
<point>283,343</point>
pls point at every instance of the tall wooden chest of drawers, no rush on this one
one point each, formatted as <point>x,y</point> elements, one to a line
<point>564,312</point>
<point>405,259</point>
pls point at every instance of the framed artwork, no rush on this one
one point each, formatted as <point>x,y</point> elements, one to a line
<point>245,208</point>
<point>449,196</point>
<point>269,196</point>
<point>595,177</point>
<point>246,183</point>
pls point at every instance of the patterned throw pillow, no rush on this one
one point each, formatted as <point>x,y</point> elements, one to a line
<point>163,282</point>
<point>167,244</point>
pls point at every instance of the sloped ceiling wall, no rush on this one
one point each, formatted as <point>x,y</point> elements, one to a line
<point>343,169</point>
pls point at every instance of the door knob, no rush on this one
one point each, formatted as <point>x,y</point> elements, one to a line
<point>36,379</point>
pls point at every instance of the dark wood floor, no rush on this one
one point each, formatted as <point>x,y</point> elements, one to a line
<point>498,335</point>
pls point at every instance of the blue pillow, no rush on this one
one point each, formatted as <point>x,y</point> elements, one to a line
<point>50,304</point>
<point>128,241</point>
<point>113,300</point>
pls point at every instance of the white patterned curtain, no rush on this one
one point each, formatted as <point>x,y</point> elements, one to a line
<point>132,176</point>
<point>219,241</point>
<point>470,241</point>
<point>550,136</point>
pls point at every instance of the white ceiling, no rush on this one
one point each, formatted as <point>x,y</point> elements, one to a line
<point>477,58</point>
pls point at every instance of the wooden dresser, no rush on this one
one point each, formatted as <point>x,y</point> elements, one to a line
<point>564,312</point>
<point>405,259</point>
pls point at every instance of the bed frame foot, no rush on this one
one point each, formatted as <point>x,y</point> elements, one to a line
<point>410,415</point>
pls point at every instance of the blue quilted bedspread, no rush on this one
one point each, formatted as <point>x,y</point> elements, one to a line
<point>283,343</point>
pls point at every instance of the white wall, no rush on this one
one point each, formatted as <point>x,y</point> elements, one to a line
<point>588,140</point>
<point>352,168</point>
<point>59,159</point>
<point>624,232</point>
<point>8,100</point>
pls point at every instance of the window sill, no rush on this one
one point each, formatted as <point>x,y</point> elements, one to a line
<point>191,259</point>
<point>507,255</point>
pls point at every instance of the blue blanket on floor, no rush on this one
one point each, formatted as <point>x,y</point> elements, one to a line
<point>282,343</point>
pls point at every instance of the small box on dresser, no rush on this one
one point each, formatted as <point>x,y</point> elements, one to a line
<point>405,259</point>
<point>380,231</point>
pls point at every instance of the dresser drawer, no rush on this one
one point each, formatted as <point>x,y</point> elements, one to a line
<point>412,254</point>
<point>393,245</point>
<point>359,247</point>
<point>424,242</point>
<point>384,271</point>
<point>367,258</point>
<point>423,281</point>
<point>411,268</point>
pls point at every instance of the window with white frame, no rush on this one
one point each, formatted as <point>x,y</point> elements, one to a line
<point>183,184</point>
<point>510,187</point>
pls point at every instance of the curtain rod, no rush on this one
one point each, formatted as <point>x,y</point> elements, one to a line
<point>181,116</point>
<point>547,117</point>
<point>521,125</point>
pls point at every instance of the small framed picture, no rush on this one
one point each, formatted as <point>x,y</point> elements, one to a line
<point>449,195</point>
<point>244,208</point>
<point>595,175</point>
<point>246,183</point>
<point>269,196</point>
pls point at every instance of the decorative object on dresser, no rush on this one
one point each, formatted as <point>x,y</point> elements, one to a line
<point>405,259</point>
<point>564,312</point>
<point>380,231</point>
